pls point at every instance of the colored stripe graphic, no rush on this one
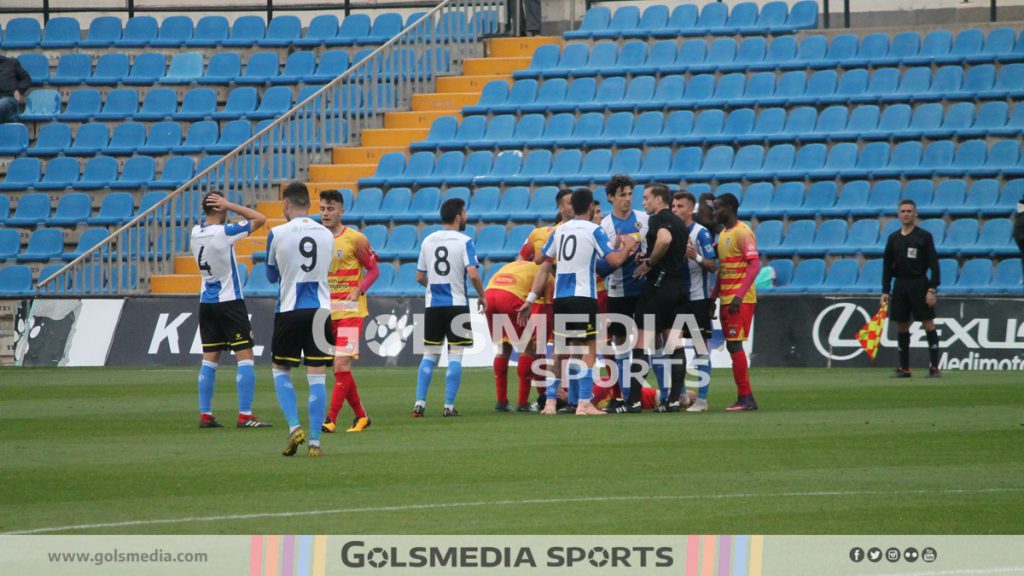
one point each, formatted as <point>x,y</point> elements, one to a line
<point>707,556</point>
<point>305,558</point>
<point>288,557</point>
<point>756,555</point>
<point>692,555</point>
<point>319,555</point>
<point>273,553</point>
<point>256,556</point>
<point>740,550</point>
<point>724,553</point>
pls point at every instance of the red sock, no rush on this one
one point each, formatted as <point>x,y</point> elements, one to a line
<point>353,395</point>
<point>740,372</point>
<point>600,393</point>
<point>337,397</point>
<point>501,378</point>
<point>524,371</point>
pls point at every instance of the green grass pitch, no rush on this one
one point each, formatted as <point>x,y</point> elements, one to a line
<point>117,450</point>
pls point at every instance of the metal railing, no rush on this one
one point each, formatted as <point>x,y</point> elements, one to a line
<point>335,115</point>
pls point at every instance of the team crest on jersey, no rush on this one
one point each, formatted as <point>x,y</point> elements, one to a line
<point>337,254</point>
<point>637,225</point>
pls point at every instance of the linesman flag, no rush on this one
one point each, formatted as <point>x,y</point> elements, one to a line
<point>870,336</point>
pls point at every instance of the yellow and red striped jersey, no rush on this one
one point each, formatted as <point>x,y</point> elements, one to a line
<point>736,246</point>
<point>352,252</point>
<point>515,277</point>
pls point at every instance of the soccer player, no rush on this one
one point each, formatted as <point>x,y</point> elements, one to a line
<point>299,257</point>
<point>624,289</point>
<point>701,265</point>
<point>353,271</point>
<point>665,296</point>
<point>738,264</point>
<point>446,258</point>
<point>505,293</point>
<point>223,317</point>
<point>602,287</point>
<point>909,255</point>
<point>575,246</point>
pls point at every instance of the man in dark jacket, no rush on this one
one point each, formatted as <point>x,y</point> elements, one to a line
<point>14,83</point>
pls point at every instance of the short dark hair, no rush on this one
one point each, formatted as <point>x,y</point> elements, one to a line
<point>582,200</point>
<point>618,182</point>
<point>561,194</point>
<point>296,193</point>
<point>332,196</point>
<point>730,200</point>
<point>684,195</point>
<point>207,209</point>
<point>908,201</point>
<point>662,192</point>
<point>451,209</point>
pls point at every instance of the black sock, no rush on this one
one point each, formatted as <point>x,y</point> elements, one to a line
<point>638,376</point>
<point>903,341</point>
<point>678,374</point>
<point>933,346</point>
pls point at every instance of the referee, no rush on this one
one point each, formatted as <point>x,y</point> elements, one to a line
<point>909,255</point>
<point>665,295</point>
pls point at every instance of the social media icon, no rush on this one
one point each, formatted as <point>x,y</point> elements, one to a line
<point>856,554</point>
<point>929,554</point>
<point>893,554</point>
<point>910,555</point>
<point>875,554</point>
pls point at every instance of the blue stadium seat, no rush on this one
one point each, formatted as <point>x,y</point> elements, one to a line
<point>276,101</point>
<point>852,200</point>
<point>82,105</point>
<point>803,15</point>
<point>842,277</point>
<point>51,140</point>
<point>60,174</point>
<point>137,172</point>
<point>821,196</point>
<point>545,60</point>
<point>120,103</point>
<point>177,171</point>
<point>333,63</point>
<point>89,238</point>
<point>813,52</point>
<point>982,199</point>
<point>260,68</point>
<point>22,33</point>
<point>13,139</point>
<point>41,105</point>
<point>712,20</point>
<point>246,31</point>
<point>224,68</point>
<point>354,29</point>
<point>808,276</point>
<point>1008,277</point>
<point>974,278</point>
<point>991,117</point>
<point>768,233</point>
<point>597,18</point>
<point>471,129</point>
<point>905,46</point>
<point>961,237</point>
<point>37,66</point>
<point>159,104</point>
<point>491,241</point>
<point>72,209</point>
<point>111,69</point>
<point>484,203</point>
<point>322,28</point>
<point>90,139</point>
<point>385,27</point>
<point>201,137</point>
<point>10,243</point>
<point>163,137</point>
<point>210,31</point>
<point>366,204</point>
<point>99,172</point>
<point>45,244</point>
<point>935,45</point>
<point>72,69</point>
<point>870,278</point>
<point>282,31</point>
<point>138,31</point>
<point>400,241</point>
<point>625,19</point>
<point>783,269</point>
<point>995,238</point>
<point>781,54</point>
<point>103,31</point>
<point>258,284</point>
<point>298,67</point>
<point>799,237</point>
<point>757,203</point>
<point>186,68</point>
<point>395,203</point>
<point>127,138</point>
<point>998,46</point>
<point>863,235</point>
<point>32,209</point>
<point>16,281</point>
<point>174,32</point>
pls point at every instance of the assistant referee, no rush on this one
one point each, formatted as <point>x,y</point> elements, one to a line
<point>909,255</point>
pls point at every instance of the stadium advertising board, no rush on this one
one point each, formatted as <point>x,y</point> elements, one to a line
<point>974,333</point>
<point>65,332</point>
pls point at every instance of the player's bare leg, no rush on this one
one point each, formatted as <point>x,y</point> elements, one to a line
<point>586,407</point>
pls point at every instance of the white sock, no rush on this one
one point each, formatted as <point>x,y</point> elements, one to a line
<point>421,403</point>
<point>450,406</point>
<point>314,443</point>
<point>293,429</point>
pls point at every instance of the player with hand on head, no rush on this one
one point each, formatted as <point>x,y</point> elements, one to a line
<point>575,246</point>
<point>299,257</point>
<point>738,265</point>
<point>446,258</point>
<point>223,317</point>
<point>353,271</point>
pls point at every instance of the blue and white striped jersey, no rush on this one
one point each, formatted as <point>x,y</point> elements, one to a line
<point>621,282</point>
<point>444,257</point>
<point>575,247</point>
<point>698,281</point>
<point>299,255</point>
<point>213,246</point>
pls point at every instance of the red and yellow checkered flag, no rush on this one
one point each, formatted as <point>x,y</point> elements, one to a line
<point>870,336</point>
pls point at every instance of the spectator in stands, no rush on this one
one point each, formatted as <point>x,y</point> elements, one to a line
<point>14,82</point>
<point>531,11</point>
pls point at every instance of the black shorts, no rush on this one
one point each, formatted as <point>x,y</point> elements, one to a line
<point>225,326</point>
<point>294,341</point>
<point>908,300</point>
<point>582,329</point>
<point>701,311</point>
<point>664,303</point>
<point>625,305</point>
<point>439,325</point>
